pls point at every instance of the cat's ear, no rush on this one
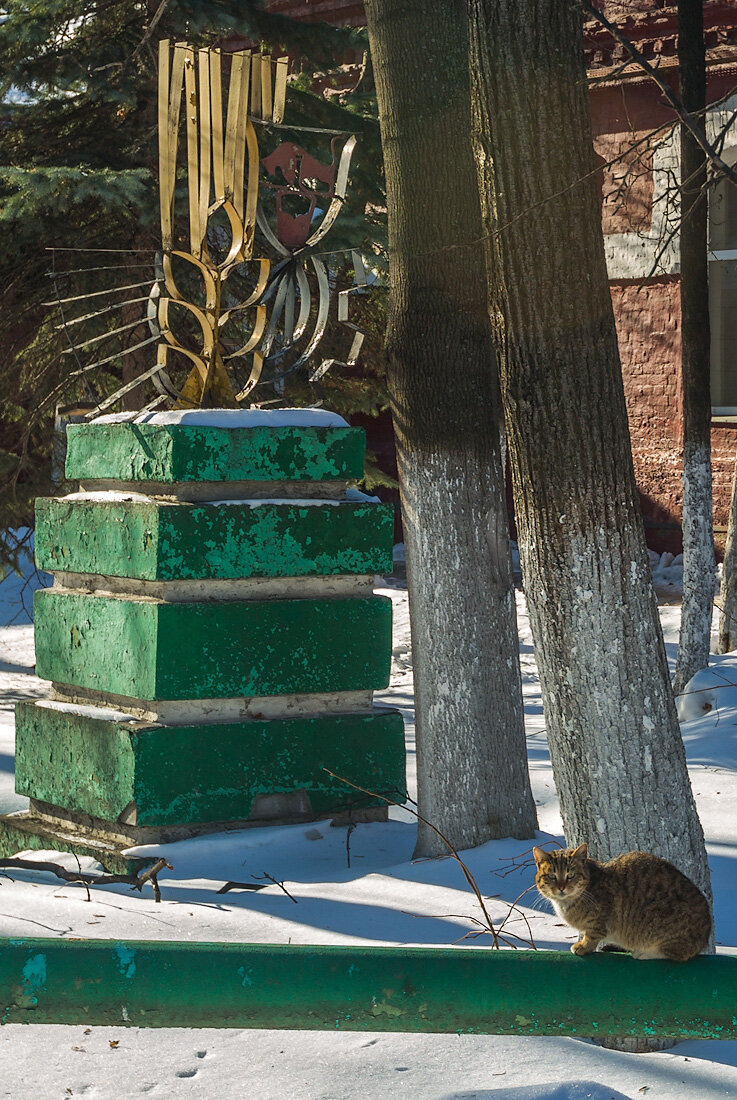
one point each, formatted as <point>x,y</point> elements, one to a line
<point>582,852</point>
<point>539,855</point>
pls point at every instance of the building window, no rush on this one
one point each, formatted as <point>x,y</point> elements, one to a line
<point>723,297</point>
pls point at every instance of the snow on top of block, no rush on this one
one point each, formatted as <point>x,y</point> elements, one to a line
<point>231,418</point>
<point>108,496</point>
<point>85,710</point>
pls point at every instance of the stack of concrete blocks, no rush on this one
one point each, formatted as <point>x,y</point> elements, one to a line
<point>212,637</point>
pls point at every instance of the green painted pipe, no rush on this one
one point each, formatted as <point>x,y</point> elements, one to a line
<point>417,989</point>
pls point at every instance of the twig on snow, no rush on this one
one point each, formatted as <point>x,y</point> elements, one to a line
<point>136,881</point>
<point>349,830</point>
<point>281,885</point>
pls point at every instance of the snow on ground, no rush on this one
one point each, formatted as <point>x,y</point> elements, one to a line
<point>667,570</point>
<point>381,897</point>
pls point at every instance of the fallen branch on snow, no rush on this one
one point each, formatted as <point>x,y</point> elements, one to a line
<point>84,878</point>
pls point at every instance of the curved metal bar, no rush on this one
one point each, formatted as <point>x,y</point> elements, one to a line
<point>305,299</point>
<point>198,361</point>
<point>258,365</point>
<point>161,379</point>
<point>208,336</point>
<point>276,312</point>
<point>321,320</point>
<point>322,312</point>
<point>288,326</point>
<point>255,337</point>
<point>258,290</point>
<point>249,216</point>
<point>336,204</point>
<point>207,277</point>
<point>236,235</point>
<point>152,310</point>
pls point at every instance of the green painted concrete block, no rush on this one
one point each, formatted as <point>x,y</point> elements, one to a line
<point>145,649</point>
<point>166,541</point>
<point>171,453</point>
<point>24,832</point>
<point>189,774</point>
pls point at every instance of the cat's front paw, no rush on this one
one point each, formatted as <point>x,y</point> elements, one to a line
<point>582,948</point>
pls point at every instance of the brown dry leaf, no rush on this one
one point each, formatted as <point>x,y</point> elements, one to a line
<point>114,1043</point>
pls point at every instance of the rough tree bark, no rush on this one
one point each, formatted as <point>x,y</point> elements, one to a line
<point>614,738</point>
<point>472,774</point>
<point>697,521</point>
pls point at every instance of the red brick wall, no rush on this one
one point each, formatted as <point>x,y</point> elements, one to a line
<point>648,325</point>
<point>648,317</point>
<point>723,452</point>
<point>625,182</point>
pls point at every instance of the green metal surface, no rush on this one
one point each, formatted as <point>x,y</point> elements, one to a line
<point>186,774</point>
<point>165,541</point>
<point>148,650</point>
<point>398,989</point>
<point>171,453</point>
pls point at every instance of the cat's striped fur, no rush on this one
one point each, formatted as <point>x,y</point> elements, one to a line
<point>636,901</point>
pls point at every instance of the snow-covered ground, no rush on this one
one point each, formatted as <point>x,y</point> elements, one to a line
<point>382,897</point>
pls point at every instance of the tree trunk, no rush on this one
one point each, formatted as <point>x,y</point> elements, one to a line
<point>615,743</point>
<point>728,593</point>
<point>698,531</point>
<point>472,774</point>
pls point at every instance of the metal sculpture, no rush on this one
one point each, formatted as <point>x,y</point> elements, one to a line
<point>214,304</point>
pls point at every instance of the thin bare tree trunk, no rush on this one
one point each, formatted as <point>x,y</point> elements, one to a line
<point>614,737</point>
<point>472,774</point>
<point>698,530</point>
<point>728,592</point>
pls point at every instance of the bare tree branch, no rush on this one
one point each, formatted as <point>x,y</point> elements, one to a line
<point>84,878</point>
<point>689,121</point>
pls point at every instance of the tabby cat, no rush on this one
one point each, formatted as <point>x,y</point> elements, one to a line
<point>636,902</point>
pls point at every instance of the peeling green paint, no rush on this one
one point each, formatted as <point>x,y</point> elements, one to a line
<point>186,774</point>
<point>166,541</point>
<point>148,650</point>
<point>126,957</point>
<point>171,453</point>
<point>34,977</point>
